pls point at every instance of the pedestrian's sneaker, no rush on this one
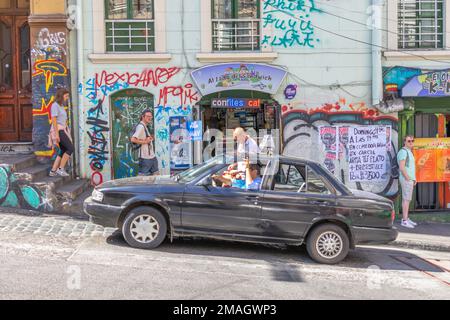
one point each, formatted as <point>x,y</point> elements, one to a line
<point>412,222</point>
<point>407,224</point>
<point>53,173</point>
<point>62,173</point>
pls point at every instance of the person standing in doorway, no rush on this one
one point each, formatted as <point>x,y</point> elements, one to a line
<point>60,133</point>
<point>148,163</point>
<point>246,145</point>
<point>408,179</point>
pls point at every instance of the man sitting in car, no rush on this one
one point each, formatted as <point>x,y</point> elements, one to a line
<point>251,180</point>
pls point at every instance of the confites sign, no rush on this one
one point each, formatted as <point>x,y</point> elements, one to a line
<point>236,103</point>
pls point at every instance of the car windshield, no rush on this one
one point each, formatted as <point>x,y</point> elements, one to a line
<point>193,173</point>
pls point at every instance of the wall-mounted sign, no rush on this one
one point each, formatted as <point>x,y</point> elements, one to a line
<point>236,103</point>
<point>195,129</point>
<point>434,84</point>
<point>368,158</point>
<point>290,92</point>
<point>238,76</point>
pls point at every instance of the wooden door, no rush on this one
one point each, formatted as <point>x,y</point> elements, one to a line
<point>16,118</point>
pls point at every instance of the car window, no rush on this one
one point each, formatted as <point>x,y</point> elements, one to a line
<point>315,183</point>
<point>290,178</point>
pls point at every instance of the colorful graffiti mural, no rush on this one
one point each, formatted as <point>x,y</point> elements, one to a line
<point>291,23</point>
<point>302,135</point>
<point>20,194</point>
<point>127,107</point>
<point>168,100</point>
<point>49,74</point>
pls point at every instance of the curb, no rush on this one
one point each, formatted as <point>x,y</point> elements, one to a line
<point>420,245</point>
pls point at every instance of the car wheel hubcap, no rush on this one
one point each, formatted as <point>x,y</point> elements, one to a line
<point>329,245</point>
<point>144,229</point>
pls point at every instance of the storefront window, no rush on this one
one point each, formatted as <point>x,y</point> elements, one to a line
<point>130,26</point>
<point>236,25</point>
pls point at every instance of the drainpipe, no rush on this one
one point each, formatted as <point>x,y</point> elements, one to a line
<point>80,65</point>
<point>377,43</point>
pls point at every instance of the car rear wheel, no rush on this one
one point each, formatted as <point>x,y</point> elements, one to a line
<point>144,228</point>
<point>328,244</point>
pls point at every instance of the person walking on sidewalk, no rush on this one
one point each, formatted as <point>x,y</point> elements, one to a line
<point>148,163</point>
<point>407,179</point>
<point>60,133</point>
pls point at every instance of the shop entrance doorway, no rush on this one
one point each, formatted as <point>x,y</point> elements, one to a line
<point>431,196</point>
<point>223,112</point>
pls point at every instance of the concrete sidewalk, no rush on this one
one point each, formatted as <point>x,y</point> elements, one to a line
<point>426,236</point>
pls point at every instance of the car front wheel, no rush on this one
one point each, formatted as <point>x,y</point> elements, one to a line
<point>328,244</point>
<point>144,228</point>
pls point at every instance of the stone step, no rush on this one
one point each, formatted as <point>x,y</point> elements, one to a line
<point>73,189</point>
<point>34,173</point>
<point>14,148</point>
<point>18,162</point>
<point>53,182</point>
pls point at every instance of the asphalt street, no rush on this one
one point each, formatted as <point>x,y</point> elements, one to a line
<point>53,258</point>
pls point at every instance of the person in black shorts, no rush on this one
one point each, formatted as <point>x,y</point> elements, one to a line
<point>60,133</point>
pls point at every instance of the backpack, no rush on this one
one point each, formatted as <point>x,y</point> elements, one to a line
<point>135,146</point>
<point>407,157</point>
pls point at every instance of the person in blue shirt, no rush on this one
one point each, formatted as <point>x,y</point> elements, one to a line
<point>408,180</point>
<point>252,179</point>
<point>253,176</point>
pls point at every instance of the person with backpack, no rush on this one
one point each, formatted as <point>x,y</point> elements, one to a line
<point>407,164</point>
<point>143,142</point>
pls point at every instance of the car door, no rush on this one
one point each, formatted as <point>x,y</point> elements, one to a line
<point>227,211</point>
<point>295,196</point>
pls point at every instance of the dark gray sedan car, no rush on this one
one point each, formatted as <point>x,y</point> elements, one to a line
<point>299,202</point>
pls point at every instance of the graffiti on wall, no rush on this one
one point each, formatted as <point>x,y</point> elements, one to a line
<point>290,23</point>
<point>302,129</point>
<point>170,100</point>
<point>396,78</point>
<point>17,194</point>
<point>49,74</point>
<point>98,148</point>
<point>49,45</point>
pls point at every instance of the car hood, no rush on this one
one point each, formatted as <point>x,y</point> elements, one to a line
<point>138,181</point>
<point>370,196</point>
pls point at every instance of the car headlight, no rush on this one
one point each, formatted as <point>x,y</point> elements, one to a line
<point>97,196</point>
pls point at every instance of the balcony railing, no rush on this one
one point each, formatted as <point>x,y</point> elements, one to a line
<point>236,34</point>
<point>130,35</point>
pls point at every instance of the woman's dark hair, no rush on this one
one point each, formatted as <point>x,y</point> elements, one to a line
<point>59,97</point>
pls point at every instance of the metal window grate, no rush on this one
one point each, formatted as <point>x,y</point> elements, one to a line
<point>421,24</point>
<point>236,34</point>
<point>130,35</point>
